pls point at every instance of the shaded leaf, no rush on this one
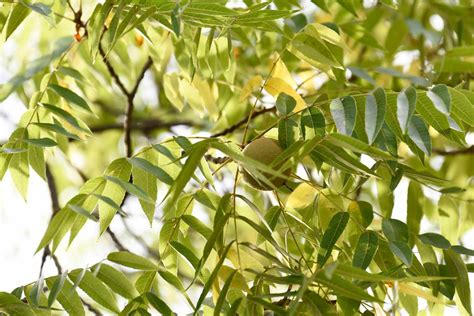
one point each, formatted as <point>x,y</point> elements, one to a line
<point>344,113</point>
<point>331,235</point>
<point>365,249</point>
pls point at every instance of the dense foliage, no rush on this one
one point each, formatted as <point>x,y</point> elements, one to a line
<point>362,96</point>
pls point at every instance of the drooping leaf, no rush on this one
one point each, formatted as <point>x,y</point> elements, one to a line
<point>285,104</point>
<point>121,169</point>
<point>331,235</point>
<point>95,289</point>
<point>395,230</point>
<point>312,123</point>
<point>67,296</point>
<point>457,268</point>
<point>374,113</point>
<point>158,304</point>
<point>435,240</point>
<point>365,249</point>
<point>71,96</point>
<point>116,280</point>
<point>402,251</point>
<point>131,260</point>
<point>344,113</point>
<point>406,104</point>
<point>441,98</point>
<point>418,132</point>
<point>287,132</point>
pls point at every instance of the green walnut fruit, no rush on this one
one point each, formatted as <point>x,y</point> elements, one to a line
<point>264,150</point>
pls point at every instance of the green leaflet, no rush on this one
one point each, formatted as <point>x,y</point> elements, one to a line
<point>95,289</point>
<point>344,113</point>
<point>18,13</point>
<point>285,104</point>
<point>365,249</point>
<point>406,104</point>
<point>196,153</point>
<point>131,260</point>
<point>331,235</point>
<point>395,230</point>
<point>375,103</point>
<point>441,98</point>
<point>158,304</point>
<point>402,251</point>
<point>120,169</point>
<point>435,240</point>
<point>415,202</point>
<point>71,97</point>
<point>287,132</point>
<point>312,123</point>
<point>457,268</point>
<point>418,132</point>
<point>116,280</point>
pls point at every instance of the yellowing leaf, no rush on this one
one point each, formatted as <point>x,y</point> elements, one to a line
<point>411,290</point>
<point>172,88</point>
<point>302,196</point>
<point>207,97</point>
<point>275,86</point>
<point>253,83</point>
<point>191,95</point>
<point>280,71</point>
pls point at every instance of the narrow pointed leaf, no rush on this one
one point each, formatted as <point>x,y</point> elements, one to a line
<point>375,103</point>
<point>418,132</point>
<point>406,103</point>
<point>331,235</point>
<point>71,97</point>
<point>441,98</point>
<point>344,113</point>
<point>365,250</point>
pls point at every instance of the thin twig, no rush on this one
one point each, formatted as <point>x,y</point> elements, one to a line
<point>94,310</point>
<point>441,152</point>
<point>116,241</point>
<point>112,71</point>
<point>242,122</point>
<point>53,192</point>
<point>127,124</point>
<point>145,125</point>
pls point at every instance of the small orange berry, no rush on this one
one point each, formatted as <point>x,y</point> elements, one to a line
<point>77,37</point>
<point>138,40</point>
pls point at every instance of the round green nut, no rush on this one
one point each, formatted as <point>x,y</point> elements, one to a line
<point>264,150</point>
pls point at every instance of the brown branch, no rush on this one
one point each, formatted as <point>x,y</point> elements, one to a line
<point>53,192</point>
<point>112,70</point>
<point>91,308</point>
<point>145,125</point>
<point>127,124</point>
<point>116,241</point>
<point>242,122</point>
<point>465,151</point>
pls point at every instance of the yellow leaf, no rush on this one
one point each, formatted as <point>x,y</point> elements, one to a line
<point>207,97</point>
<point>411,290</point>
<point>238,282</point>
<point>280,71</point>
<point>191,95</point>
<point>253,83</point>
<point>171,86</point>
<point>302,196</point>
<point>275,86</point>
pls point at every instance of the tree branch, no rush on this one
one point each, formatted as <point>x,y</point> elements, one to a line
<point>112,71</point>
<point>127,124</point>
<point>145,125</point>
<point>242,122</point>
<point>441,152</point>
<point>55,207</point>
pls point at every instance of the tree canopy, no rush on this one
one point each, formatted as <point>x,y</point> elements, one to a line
<point>369,105</point>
